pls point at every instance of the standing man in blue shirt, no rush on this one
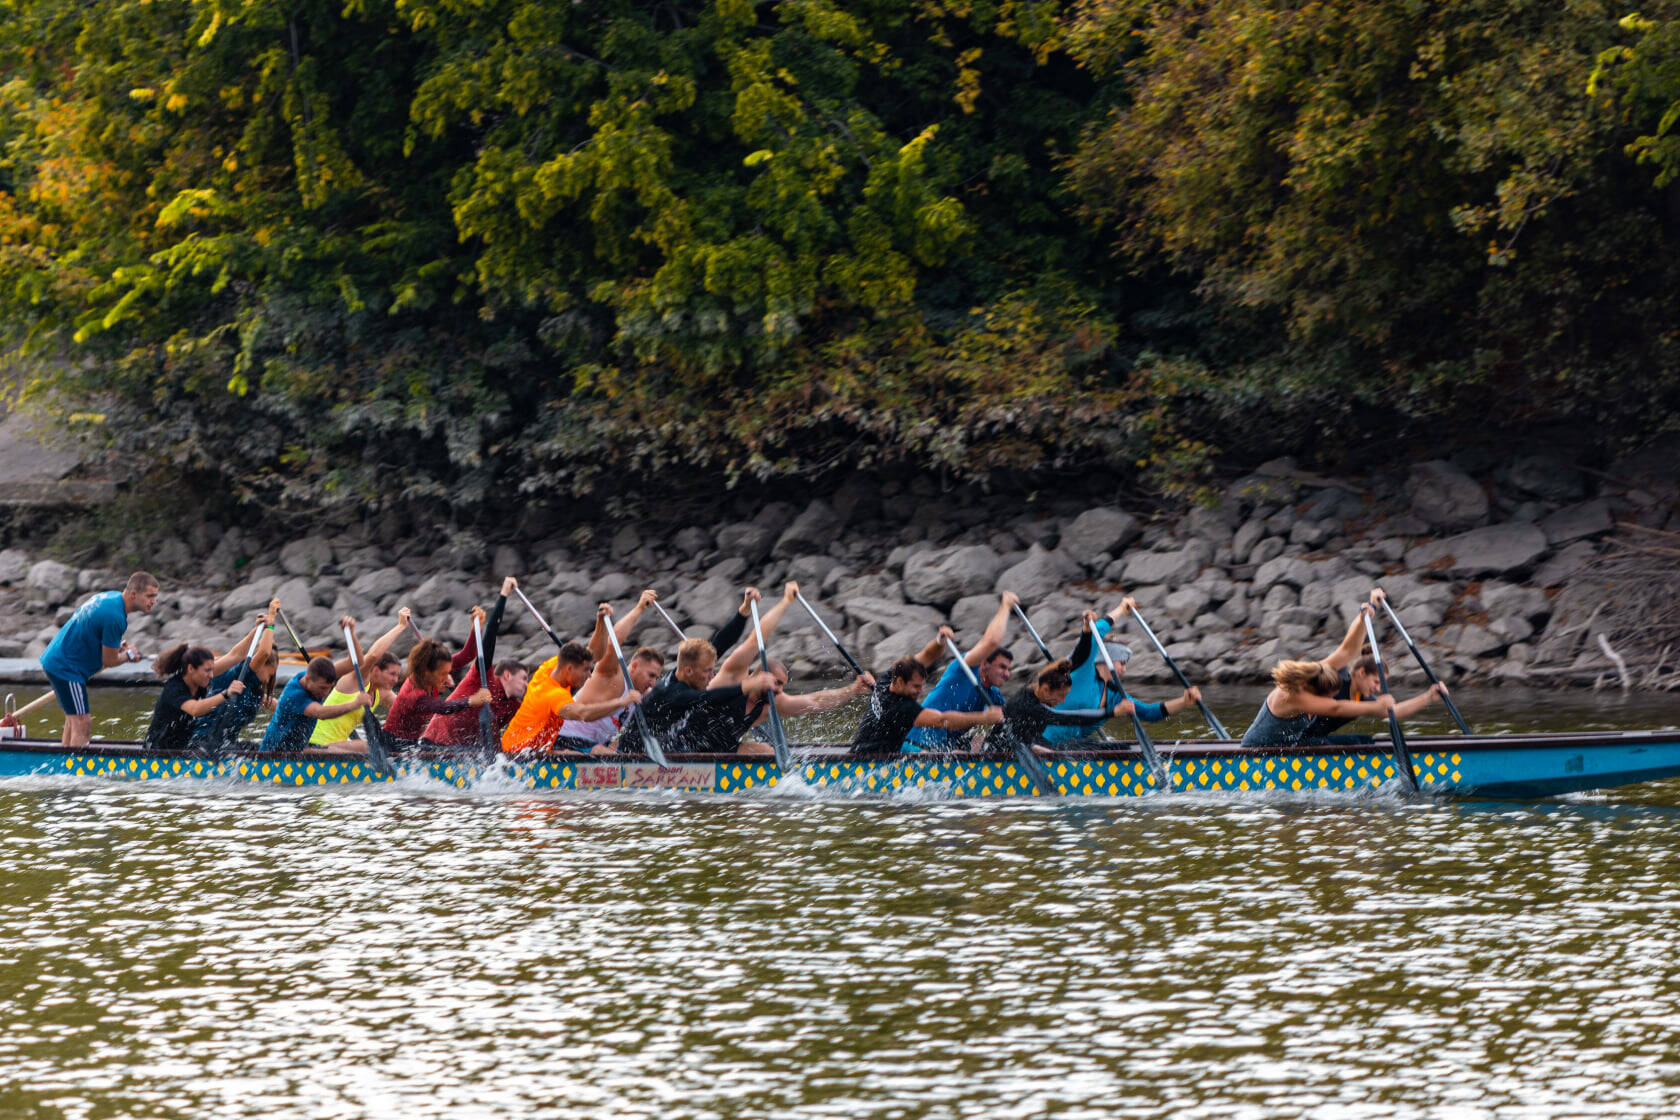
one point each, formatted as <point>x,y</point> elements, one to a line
<point>90,641</point>
<point>991,663</point>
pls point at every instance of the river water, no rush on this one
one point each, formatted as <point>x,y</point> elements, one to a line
<point>205,950</point>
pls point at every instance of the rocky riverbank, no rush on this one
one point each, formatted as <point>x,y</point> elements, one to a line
<point>1495,568</point>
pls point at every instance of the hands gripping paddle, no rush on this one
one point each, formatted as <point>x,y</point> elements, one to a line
<point>378,757</point>
<point>1151,758</point>
<point>778,737</point>
<point>649,743</point>
<point>1402,754</point>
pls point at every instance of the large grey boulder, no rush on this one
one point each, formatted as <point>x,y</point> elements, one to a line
<point>747,540</point>
<point>612,586</point>
<point>903,643</point>
<point>1291,570</point>
<point>1444,497</point>
<point>14,566</point>
<point>892,617</point>
<point>1511,600</point>
<point>624,542</point>
<point>1269,548</point>
<point>1468,641</point>
<point>1545,476</point>
<point>377,584</point>
<point>1042,573</point>
<point>441,593</point>
<point>51,582</point>
<point>508,561</point>
<point>691,542</point>
<point>306,556</point>
<point>1096,531</point>
<point>1251,533</point>
<point>812,531</point>
<point>1577,522</point>
<point>1570,562</point>
<point>245,600</point>
<point>1512,548</point>
<point>1186,603</point>
<point>942,580</point>
<point>971,614</point>
<point>1170,569</point>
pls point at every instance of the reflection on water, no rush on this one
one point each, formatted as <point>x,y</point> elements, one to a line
<point>220,950</point>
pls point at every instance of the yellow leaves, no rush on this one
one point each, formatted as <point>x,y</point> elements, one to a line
<point>142,94</point>
<point>176,102</point>
<point>968,79</point>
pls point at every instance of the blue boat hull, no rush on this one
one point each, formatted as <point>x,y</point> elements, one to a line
<point>1513,766</point>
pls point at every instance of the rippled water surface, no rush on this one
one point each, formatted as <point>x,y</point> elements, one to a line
<point>195,950</point>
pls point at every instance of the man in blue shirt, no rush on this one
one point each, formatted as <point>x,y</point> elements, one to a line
<point>90,641</point>
<point>299,706</point>
<point>991,664</point>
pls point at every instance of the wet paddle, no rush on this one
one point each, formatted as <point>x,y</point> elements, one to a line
<point>486,720</point>
<point>1146,745</point>
<point>1030,763</point>
<point>671,622</point>
<point>778,736</point>
<point>823,626</point>
<point>1402,754</point>
<point>1207,713</point>
<point>296,641</point>
<point>222,715</point>
<point>1424,665</point>
<point>378,757</point>
<point>649,743</point>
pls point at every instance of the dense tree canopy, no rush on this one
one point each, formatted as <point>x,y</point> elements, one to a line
<point>439,250</point>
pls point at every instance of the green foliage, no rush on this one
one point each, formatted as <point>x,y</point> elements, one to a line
<point>441,251</point>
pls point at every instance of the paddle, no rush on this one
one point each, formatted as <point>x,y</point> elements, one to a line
<point>31,706</point>
<point>226,709</point>
<point>1424,665</point>
<point>1029,762</point>
<point>1212,720</point>
<point>1402,755</point>
<point>486,721</point>
<point>823,626</point>
<point>296,641</point>
<point>541,621</point>
<point>649,744</point>
<point>778,736</point>
<point>671,622</point>
<point>1146,745</point>
<point>378,758</point>
<point>419,637</point>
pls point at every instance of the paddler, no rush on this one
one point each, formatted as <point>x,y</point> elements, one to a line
<point>991,664</point>
<point>508,679</point>
<point>686,712</point>
<point>538,722</point>
<point>1042,707</point>
<point>92,640</point>
<point>1356,674</point>
<point>220,730</point>
<point>1304,691</point>
<point>186,695</point>
<point>583,710</point>
<point>895,706</point>
<point>300,704</point>
<point>381,670</point>
<point>1094,687</point>
<point>422,695</point>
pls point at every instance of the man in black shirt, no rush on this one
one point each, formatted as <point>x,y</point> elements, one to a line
<point>685,714</point>
<point>1033,709</point>
<point>895,706</point>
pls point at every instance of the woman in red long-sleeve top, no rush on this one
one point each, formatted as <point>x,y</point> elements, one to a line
<point>421,697</point>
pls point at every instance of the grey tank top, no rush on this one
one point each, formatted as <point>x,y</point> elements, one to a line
<point>1268,730</point>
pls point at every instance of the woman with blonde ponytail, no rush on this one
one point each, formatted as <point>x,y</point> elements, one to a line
<point>1304,691</point>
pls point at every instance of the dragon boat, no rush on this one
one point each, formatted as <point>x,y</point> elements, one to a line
<point>1502,766</point>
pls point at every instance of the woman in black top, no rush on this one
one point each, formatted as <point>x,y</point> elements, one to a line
<point>184,698</point>
<point>1033,709</point>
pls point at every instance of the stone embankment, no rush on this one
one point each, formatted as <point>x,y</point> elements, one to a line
<point>1491,568</point>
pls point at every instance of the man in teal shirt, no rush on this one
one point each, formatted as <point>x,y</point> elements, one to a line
<point>90,641</point>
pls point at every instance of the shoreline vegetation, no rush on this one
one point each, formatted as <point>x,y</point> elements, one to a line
<point>435,256</point>
<point>912,302</point>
